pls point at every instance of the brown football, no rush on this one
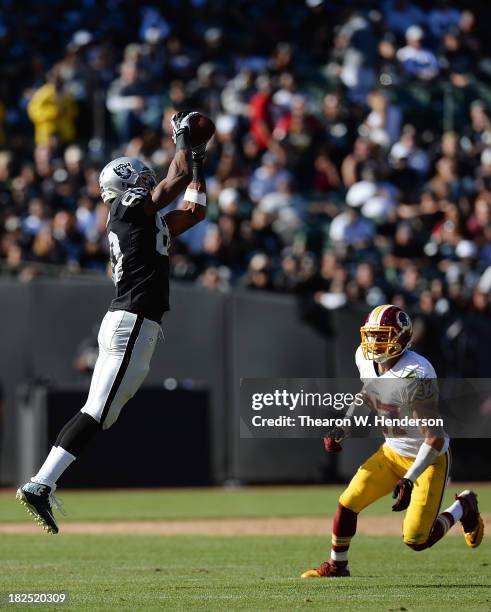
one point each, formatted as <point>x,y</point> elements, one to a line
<point>201,129</point>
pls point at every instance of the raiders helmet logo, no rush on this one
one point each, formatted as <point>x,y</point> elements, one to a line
<point>124,171</point>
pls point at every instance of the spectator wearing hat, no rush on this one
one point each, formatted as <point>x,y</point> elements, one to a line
<point>417,61</point>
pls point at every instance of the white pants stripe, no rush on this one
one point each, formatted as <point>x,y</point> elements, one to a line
<point>126,345</point>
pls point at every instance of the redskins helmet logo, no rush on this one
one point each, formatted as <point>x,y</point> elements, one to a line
<point>124,171</point>
<point>403,321</point>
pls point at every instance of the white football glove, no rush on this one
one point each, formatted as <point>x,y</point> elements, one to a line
<point>180,122</point>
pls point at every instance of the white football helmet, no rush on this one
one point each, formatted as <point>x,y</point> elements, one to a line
<point>123,173</point>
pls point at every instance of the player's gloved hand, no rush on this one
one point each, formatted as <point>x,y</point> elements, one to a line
<point>180,122</point>
<point>402,494</point>
<point>333,439</point>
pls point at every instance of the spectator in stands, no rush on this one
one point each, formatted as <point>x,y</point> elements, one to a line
<point>237,94</point>
<point>152,55</point>
<point>477,135</point>
<point>267,177</point>
<point>326,176</point>
<point>357,40</point>
<point>261,118</point>
<point>338,125</point>
<point>259,273</point>
<point>457,61</point>
<point>418,62</point>
<point>351,228</point>
<point>132,103</point>
<point>355,162</point>
<point>53,112</point>
<point>383,123</point>
<point>417,158</point>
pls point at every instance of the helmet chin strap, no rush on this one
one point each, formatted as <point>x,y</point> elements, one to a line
<point>381,358</point>
<point>384,358</point>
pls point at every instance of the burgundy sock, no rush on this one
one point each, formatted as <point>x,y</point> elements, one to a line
<point>343,529</point>
<point>442,524</point>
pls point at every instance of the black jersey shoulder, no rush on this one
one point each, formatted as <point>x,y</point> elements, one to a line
<point>135,196</point>
<point>130,204</point>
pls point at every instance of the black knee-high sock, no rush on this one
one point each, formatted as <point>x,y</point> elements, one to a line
<point>77,433</point>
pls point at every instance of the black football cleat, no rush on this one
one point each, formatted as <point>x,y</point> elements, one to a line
<point>37,498</point>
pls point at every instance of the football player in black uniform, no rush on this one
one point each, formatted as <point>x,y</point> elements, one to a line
<point>139,238</point>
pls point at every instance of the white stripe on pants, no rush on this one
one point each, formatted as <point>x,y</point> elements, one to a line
<point>126,345</point>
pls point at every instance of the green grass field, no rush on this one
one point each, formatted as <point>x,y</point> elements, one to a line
<point>210,503</point>
<point>232,573</point>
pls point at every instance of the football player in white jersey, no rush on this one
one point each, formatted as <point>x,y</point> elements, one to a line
<point>413,463</point>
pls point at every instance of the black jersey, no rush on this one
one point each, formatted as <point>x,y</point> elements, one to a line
<point>139,246</point>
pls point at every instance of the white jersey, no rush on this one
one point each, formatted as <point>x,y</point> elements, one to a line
<point>392,401</point>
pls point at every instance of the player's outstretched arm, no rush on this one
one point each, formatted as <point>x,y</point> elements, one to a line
<point>175,182</point>
<point>179,173</point>
<point>193,209</point>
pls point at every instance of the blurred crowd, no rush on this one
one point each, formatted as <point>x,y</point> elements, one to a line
<point>351,162</point>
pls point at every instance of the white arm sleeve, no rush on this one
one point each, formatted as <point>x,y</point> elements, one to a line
<point>425,457</point>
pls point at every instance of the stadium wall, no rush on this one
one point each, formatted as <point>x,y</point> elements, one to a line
<point>212,338</point>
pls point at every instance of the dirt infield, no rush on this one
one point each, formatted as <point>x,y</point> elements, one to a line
<point>285,526</point>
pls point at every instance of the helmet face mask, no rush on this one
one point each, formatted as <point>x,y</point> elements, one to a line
<point>386,333</point>
<point>379,343</point>
<point>123,173</point>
